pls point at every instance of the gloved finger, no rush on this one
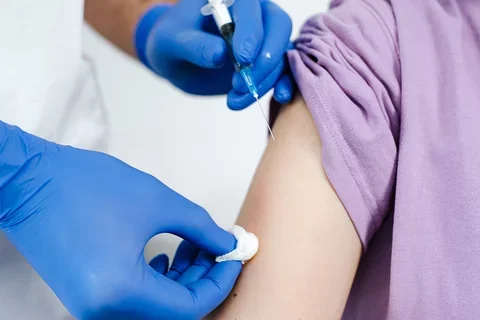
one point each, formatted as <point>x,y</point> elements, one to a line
<point>284,89</point>
<point>199,229</point>
<point>191,222</point>
<point>215,286</point>
<point>202,264</point>
<point>219,80</point>
<point>197,47</point>
<point>160,263</point>
<point>278,28</point>
<point>248,36</point>
<point>184,257</point>
<point>209,25</point>
<point>162,298</point>
<point>238,100</point>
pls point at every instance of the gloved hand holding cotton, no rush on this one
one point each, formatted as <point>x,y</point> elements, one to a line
<point>247,246</point>
<point>82,220</point>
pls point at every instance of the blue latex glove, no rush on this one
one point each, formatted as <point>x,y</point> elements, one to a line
<point>82,219</point>
<point>184,47</point>
<point>189,265</point>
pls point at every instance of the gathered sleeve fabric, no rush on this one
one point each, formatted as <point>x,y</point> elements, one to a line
<point>347,67</point>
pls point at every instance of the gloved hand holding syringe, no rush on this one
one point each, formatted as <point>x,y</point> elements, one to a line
<point>223,19</point>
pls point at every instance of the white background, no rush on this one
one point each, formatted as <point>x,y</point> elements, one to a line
<point>195,145</point>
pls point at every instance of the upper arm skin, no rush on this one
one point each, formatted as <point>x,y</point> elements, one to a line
<point>309,249</point>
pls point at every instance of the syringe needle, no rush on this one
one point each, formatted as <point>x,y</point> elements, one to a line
<point>265,117</point>
<point>221,15</point>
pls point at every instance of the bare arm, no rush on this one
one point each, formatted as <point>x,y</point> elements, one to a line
<point>116,20</point>
<point>309,249</point>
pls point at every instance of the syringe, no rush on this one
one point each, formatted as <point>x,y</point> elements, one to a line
<point>219,10</point>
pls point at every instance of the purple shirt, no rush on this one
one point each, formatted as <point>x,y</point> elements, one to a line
<point>394,89</point>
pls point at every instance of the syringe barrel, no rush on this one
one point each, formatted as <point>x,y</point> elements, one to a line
<point>227,33</point>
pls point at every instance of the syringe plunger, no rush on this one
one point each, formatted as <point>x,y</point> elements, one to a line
<point>219,10</point>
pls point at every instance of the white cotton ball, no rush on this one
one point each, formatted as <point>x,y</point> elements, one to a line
<point>247,246</point>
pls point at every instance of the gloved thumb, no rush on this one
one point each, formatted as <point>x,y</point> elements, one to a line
<point>193,223</point>
<point>199,48</point>
<point>200,230</point>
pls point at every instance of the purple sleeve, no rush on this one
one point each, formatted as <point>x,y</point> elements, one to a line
<point>347,68</point>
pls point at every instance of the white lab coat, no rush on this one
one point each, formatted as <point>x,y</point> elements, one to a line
<point>47,88</point>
